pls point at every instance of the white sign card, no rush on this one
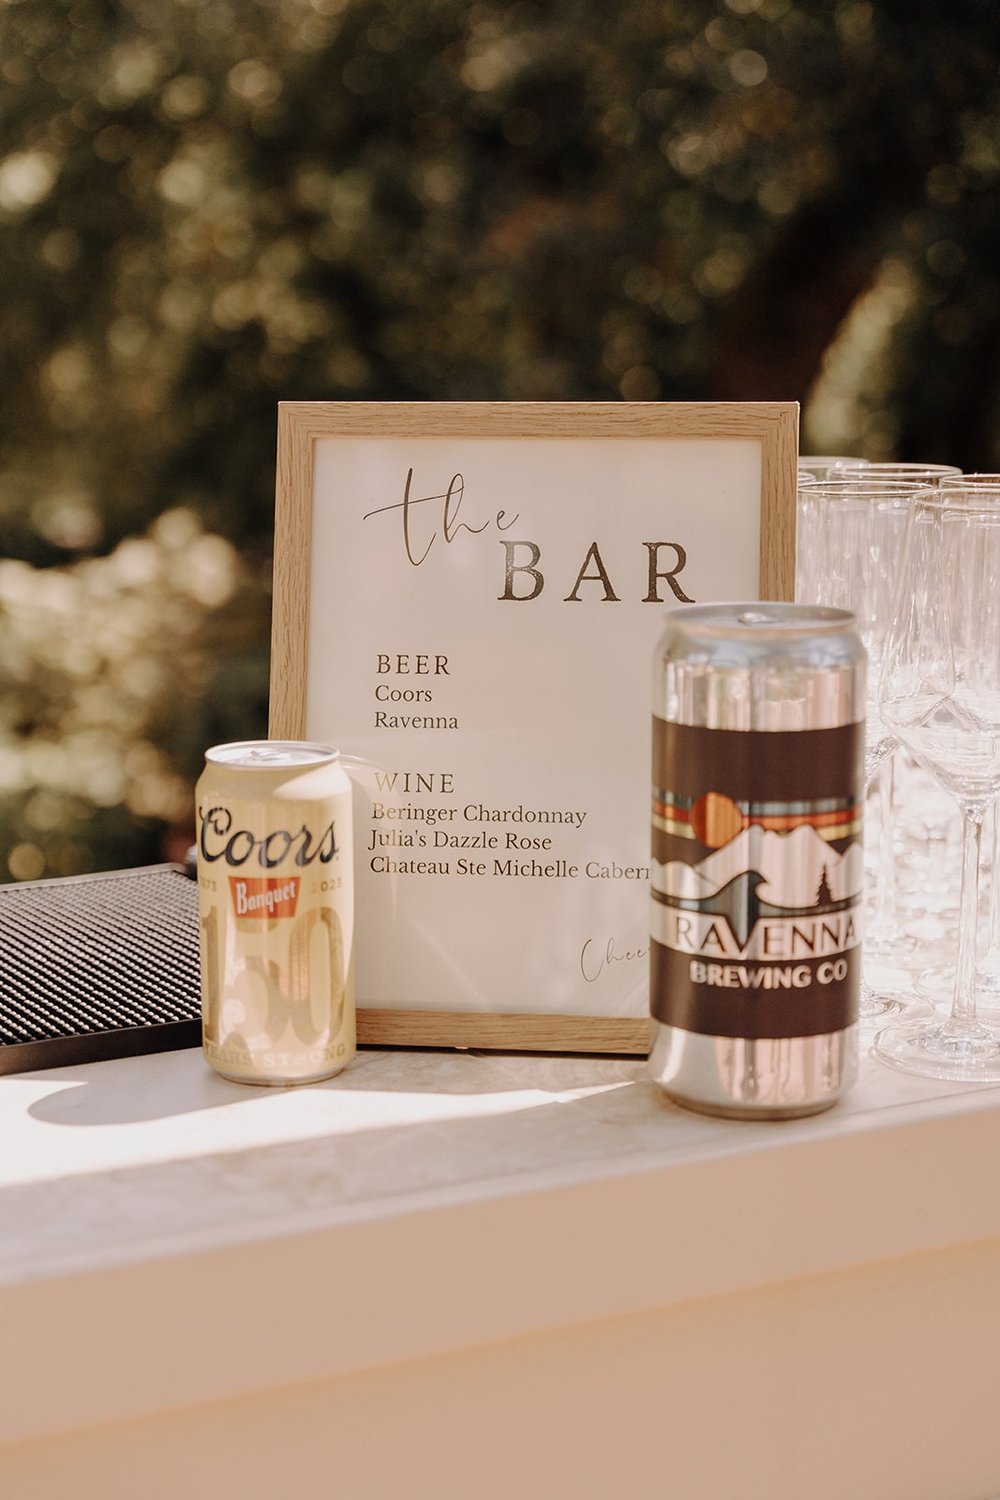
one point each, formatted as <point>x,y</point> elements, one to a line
<point>467,601</point>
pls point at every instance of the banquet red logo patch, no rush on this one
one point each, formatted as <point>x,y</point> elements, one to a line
<point>264,896</point>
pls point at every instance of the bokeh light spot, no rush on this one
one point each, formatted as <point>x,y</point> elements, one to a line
<point>26,179</point>
<point>26,862</point>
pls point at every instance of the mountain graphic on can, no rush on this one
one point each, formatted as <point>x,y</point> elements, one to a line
<point>761,874</point>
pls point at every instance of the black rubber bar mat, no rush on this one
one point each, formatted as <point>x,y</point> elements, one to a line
<point>98,966</point>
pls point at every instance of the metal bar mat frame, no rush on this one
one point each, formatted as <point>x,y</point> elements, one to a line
<point>98,966</point>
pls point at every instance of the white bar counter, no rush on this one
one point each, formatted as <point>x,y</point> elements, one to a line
<point>457,1275</point>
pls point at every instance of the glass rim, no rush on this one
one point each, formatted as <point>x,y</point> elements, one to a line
<point>876,488</point>
<point>805,459</point>
<point>978,497</point>
<point>904,470</point>
<point>971,481</point>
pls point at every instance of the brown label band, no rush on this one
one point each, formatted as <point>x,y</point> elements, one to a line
<point>759,765</point>
<point>752,999</point>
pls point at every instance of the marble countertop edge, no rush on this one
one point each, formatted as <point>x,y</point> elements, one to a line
<point>886,1158</point>
<point>434,1204</point>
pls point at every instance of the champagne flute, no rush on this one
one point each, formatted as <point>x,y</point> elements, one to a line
<point>940,695</point>
<point>884,936</point>
<point>988,967</point>
<point>849,534</point>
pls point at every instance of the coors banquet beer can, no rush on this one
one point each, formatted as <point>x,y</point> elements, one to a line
<point>757,861</point>
<point>276,897</point>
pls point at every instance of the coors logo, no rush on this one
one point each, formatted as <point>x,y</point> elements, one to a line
<point>217,840</point>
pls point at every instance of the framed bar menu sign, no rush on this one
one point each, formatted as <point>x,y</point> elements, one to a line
<point>467,601</point>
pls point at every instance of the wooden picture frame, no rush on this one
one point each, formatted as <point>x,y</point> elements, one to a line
<point>356,455</point>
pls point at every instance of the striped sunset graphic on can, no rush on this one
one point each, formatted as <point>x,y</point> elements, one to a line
<point>715,819</point>
<point>745,862</point>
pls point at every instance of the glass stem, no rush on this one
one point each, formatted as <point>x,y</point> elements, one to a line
<point>964,1005</point>
<point>885,888</point>
<point>994,932</point>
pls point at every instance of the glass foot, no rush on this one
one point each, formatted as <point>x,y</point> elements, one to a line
<point>883,1008</point>
<point>873,1007</point>
<point>889,945</point>
<point>988,983</point>
<point>965,1052</point>
<point>938,984</point>
<point>885,995</point>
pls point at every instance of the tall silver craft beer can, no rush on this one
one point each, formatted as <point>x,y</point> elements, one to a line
<point>276,896</point>
<point>757,861</point>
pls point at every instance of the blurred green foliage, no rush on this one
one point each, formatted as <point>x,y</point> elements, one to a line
<point>210,205</point>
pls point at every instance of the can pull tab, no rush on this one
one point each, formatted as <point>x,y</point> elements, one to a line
<point>755,617</point>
